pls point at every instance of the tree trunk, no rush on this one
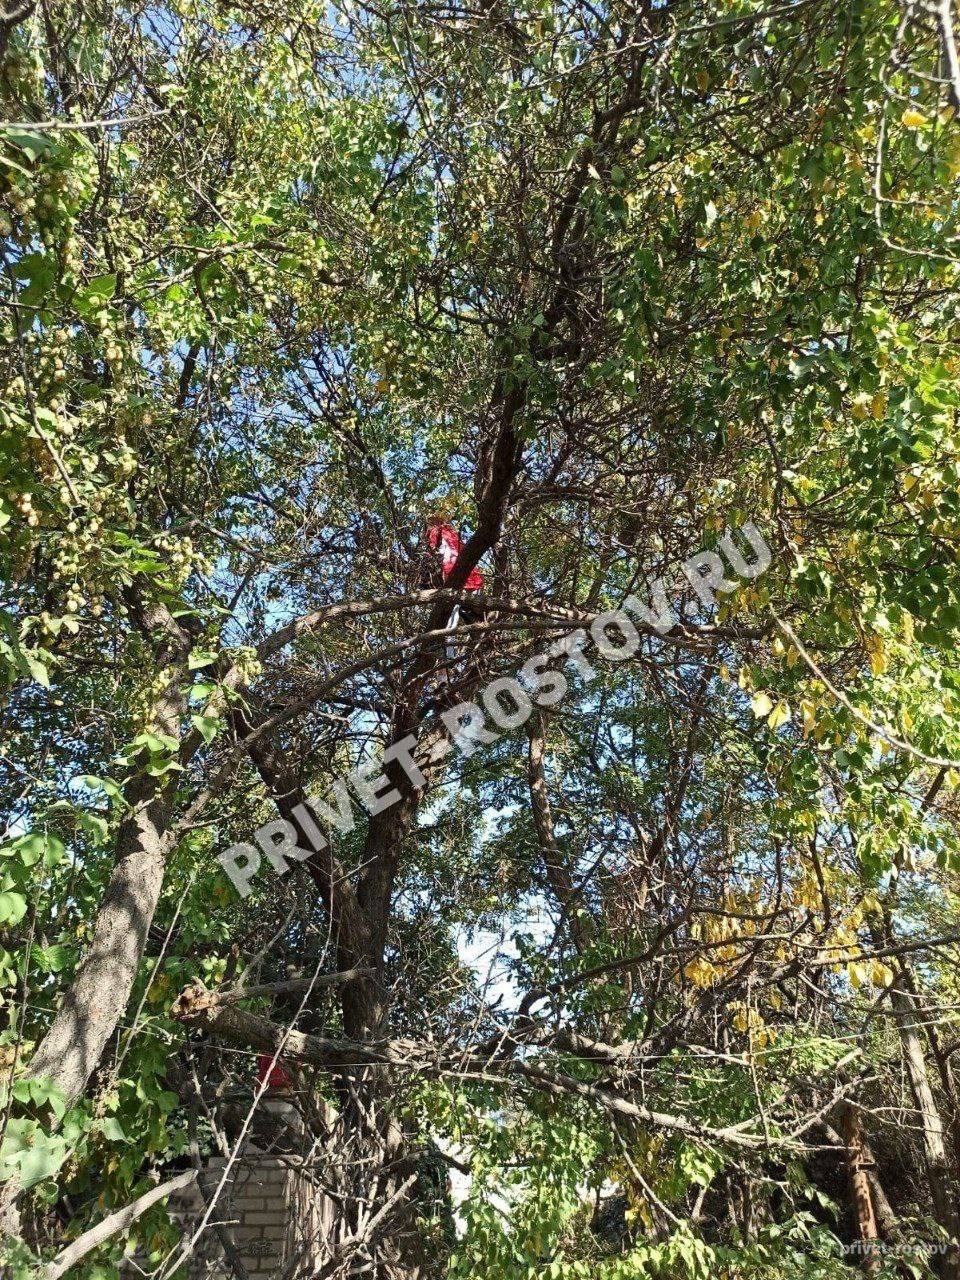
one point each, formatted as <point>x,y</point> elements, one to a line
<point>90,1010</point>
<point>857,1166</point>
<point>555,863</point>
<point>939,1173</point>
<point>887,1222</point>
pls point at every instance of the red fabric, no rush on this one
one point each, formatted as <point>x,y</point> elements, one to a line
<point>277,1077</point>
<point>444,538</point>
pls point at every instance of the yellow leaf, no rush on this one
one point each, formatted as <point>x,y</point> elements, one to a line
<point>808,710</point>
<point>881,975</point>
<point>779,715</point>
<point>878,655</point>
<point>700,972</point>
<point>762,705</point>
<point>913,118</point>
<point>878,405</point>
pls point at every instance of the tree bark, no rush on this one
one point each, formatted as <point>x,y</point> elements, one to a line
<point>857,1165</point>
<point>887,1222</point>
<point>939,1173</point>
<point>556,865</point>
<point>10,19</point>
<point>90,1010</point>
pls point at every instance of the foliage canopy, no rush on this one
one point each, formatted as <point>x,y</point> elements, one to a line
<point>600,283</point>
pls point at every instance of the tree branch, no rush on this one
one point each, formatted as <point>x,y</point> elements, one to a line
<point>114,1223</point>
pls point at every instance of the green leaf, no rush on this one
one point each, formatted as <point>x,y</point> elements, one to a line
<point>157,743</point>
<point>14,164</point>
<point>13,907</point>
<point>37,670</point>
<point>34,144</point>
<point>39,270</point>
<point>30,1153</point>
<point>42,1161</point>
<point>101,287</point>
<point>53,959</point>
<point>94,825</point>
<point>41,1093</point>
<point>206,726</point>
<point>157,767</point>
<point>113,1130</point>
<point>33,846</point>
<point>94,783</point>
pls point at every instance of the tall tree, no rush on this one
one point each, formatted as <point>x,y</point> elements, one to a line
<point>656,305</point>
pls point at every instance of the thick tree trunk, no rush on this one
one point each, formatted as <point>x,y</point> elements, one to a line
<point>381,1212</point>
<point>939,1174</point>
<point>941,1060</point>
<point>90,1010</point>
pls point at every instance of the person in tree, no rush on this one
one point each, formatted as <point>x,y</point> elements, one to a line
<point>443,539</point>
<point>446,545</point>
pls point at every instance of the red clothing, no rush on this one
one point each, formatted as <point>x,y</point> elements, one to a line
<point>444,538</point>
<point>277,1077</point>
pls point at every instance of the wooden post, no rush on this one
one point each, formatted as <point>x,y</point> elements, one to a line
<point>857,1164</point>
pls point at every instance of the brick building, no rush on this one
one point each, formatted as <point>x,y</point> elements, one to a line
<point>268,1210</point>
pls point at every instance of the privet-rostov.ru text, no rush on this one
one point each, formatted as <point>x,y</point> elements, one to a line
<point>506,701</point>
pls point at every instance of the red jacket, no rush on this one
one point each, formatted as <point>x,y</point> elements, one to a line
<point>444,538</point>
<point>277,1077</point>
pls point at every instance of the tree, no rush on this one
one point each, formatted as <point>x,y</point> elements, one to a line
<point>657,303</point>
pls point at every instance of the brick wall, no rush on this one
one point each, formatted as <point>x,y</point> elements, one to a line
<point>271,1211</point>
